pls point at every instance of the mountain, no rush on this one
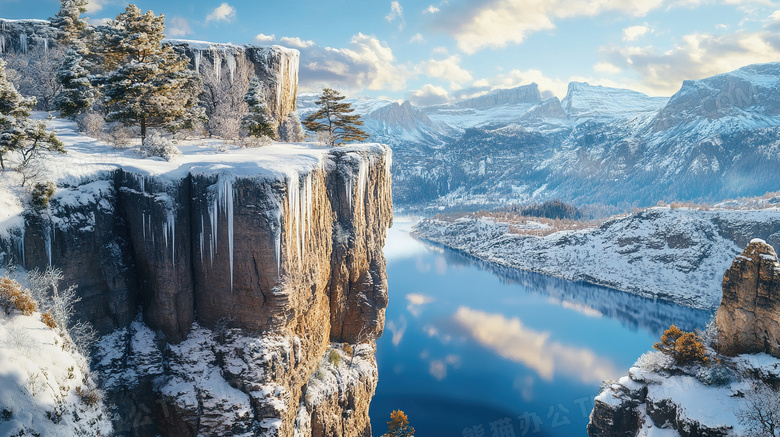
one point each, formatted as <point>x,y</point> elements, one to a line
<point>715,138</point>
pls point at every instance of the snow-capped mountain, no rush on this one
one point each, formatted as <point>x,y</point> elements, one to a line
<point>716,138</point>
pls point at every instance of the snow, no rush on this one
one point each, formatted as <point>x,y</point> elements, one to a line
<point>673,254</point>
<point>39,377</point>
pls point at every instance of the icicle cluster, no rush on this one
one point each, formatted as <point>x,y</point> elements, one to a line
<point>221,198</point>
<point>299,205</point>
<point>23,42</point>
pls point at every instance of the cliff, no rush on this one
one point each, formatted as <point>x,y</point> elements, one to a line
<point>280,247</point>
<point>718,397</point>
<point>275,66</point>
<point>23,36</point>
<point>749,314</point>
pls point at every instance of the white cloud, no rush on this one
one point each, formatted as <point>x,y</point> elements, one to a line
<point>635,32</point>
<point>428,95</point>
<point>431,9</point>
<point>223,12</point>
<point>397,330</point>
<point>396,12</point>
<point>417,38</point>
<point>416,301</point>
<point>698,56</point>
<point>607,67</point>
<point>177,26</point>
<point>95,5</point>
<point>514,341</point>
<point>367,63</point>
<point>448,69</point>
<point>501,22</point>
<point>441,50</point>
<point>100,21</point>
<point>296,42</point>
<point>261,37</point>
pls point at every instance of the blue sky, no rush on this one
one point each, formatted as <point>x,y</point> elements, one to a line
<point>434,51</point>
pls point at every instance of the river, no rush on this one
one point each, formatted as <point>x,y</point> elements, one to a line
<point>472,349</point>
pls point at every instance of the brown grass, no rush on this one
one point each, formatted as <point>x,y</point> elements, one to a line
<point>12,293</point>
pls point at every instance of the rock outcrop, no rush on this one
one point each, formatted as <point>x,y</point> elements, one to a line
<point>749,314</point>
<point>281,244</point>
<point>527,94</point>
<point>275,66</point>
<point>24,36</point>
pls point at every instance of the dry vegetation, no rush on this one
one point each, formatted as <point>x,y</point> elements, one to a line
<point>13,295</point>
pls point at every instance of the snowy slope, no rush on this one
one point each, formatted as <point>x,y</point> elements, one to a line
<point>673,254</point>
<point>44,383</point>
<point>588,101</point>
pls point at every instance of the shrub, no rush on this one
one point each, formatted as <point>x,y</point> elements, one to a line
<point>119,136</point>
<point>654,361</point>
<point>334,357</point>
<point>683,346</point>
<point>48,320</point>
<point>348,349</point>
<point>90,395</point>
<point>716,375</point>
<point>42,193</point>
<point>91,124</point>
<point>157,145</point>
<point>398,426</point>
<point>12,295</point>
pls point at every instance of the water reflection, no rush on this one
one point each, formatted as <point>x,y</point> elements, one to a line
<point>470,345</point>
<point>510,339</point>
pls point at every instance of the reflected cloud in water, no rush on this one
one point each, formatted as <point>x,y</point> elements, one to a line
<point>416,301</point>
<point>400,244</point>
<point>397,329</point>
<point>510,339</point>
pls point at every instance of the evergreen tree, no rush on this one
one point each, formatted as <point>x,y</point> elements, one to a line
<point>335,120</point>
<point>258,122</point>
<point>17,132</point>
<point>78,94</point>
<point>68,20</point>
<point>151,85</point>
<point>398,426</point>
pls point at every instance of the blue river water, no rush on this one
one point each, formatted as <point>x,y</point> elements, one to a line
<point>472,349</point>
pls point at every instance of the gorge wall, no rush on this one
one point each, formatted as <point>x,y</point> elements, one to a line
<point>264,264</point>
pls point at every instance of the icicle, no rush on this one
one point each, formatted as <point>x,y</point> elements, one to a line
<point>143,224</point>
<point>198,56</point>
<point>231,64</point>
<point>362,181</point>
<point>223,201</point>
<point>201,239</point>
<point>294,210</point>
<point>47,242</point>
<point>20,248</point>
<point>2,43</point>
<point>46,46</point>
<point>278,242</point>
<point>217,65</point>
<point>170,226</point>
<point>23,42</point>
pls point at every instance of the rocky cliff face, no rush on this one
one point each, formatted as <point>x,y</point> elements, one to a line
<point>23,36</point>
<point>748,317</point>
<point>276,66</point>
<point>264,262</point>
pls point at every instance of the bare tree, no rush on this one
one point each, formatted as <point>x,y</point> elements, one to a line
<point>223,96</point>
<point>760,413</point>
<point>35,74</point>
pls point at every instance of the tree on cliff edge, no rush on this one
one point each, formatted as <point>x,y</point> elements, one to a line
<point>151,85</point>
<point>398,426</point>
<point>18,134</point>
<point>334,120</point>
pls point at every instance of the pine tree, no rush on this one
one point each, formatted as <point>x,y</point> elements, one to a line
<point>151,86</point>
<point>335,120</point>
<point>398,426</point>
<point>17,132</point>
<point>258,122</point>
<point>68,20</point>
<point>78,94</point>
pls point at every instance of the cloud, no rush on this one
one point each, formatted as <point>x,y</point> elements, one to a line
<point>428,95</point>
<point>512,340</point>
<point>698,56</point>
<point>95,5</point>
<point>367,63</point>
<point>396,12</point>
<point>497,23</point>
<point>606,67</point>
<point>416,301</point>
<point>100,21</point>
<point>431,9</point>
<point>448,69</point>
<point>635,32</point>
<point>417,38</point>
<point>177,26</point>
<point>261,37</point>
<point>397,330</point>
<point>223,12</point>
<point>296,42</point>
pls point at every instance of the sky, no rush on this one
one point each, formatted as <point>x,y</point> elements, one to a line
<point>432,51</point>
